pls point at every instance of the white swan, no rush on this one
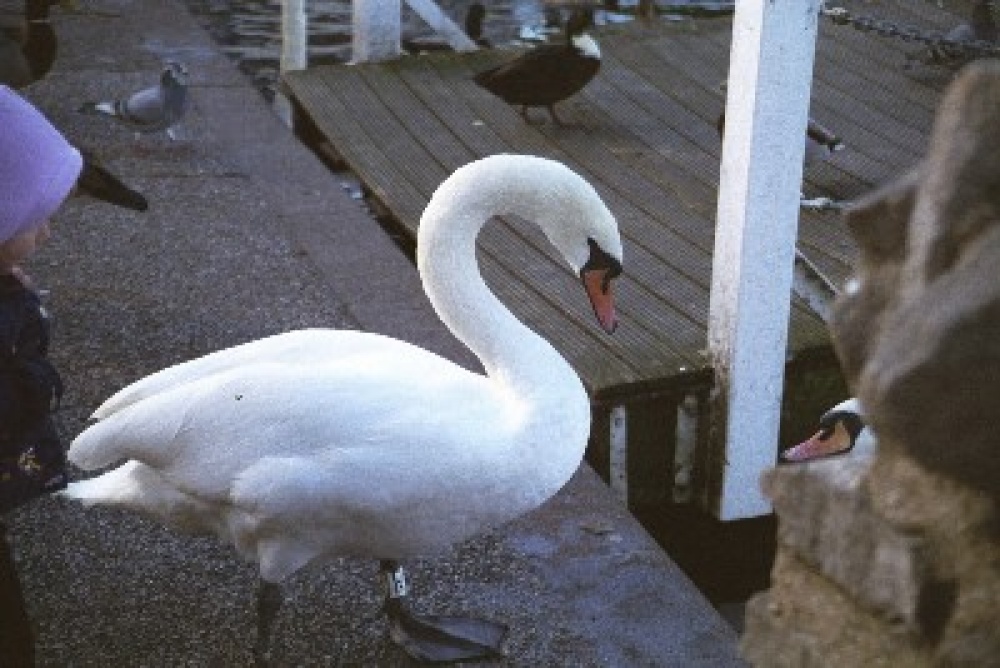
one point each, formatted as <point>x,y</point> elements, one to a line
<point>842,430</point>
<point>322,443</point>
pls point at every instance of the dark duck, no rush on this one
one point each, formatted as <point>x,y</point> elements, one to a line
<point>549,73</point>
<point>28,47</point>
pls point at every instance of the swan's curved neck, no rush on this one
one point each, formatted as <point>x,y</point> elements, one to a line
<point>446,258</point>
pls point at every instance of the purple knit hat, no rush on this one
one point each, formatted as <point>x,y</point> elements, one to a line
<point>38,167</point>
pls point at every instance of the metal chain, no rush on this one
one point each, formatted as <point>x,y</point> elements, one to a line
<point>932,38</point>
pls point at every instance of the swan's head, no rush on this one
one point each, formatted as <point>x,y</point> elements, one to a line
<point>580,226</point>
<point>545,192</point>
<point>842,429</point>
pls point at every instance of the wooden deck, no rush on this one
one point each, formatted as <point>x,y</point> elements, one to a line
<point>643,132</point>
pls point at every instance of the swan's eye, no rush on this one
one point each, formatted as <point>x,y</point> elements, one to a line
<point>600,260</point>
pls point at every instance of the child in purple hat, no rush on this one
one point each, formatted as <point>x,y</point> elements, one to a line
<point>38,170</point>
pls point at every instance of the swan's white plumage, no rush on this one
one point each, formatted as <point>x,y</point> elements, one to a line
<point>320,443</point>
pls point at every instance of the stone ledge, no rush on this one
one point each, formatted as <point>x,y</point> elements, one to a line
<point>828,521</point>
<point>806,620</point>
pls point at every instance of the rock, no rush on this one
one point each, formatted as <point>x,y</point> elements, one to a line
<point>805,620</point>
<point>895,560</point>
<point>920,336</point>
<point>828,520</point>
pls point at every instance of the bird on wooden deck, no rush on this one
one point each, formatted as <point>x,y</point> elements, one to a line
<point>821,144</point>
<point>27,48</point>
<point>842,430</point>
<point>981,27</point>
<point>316,444</point>
<point>549,73</point>
<point>154,109</point>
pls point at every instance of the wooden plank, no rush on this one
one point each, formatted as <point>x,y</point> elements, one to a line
<point>512,291</point>
<point>642,347</point>
<point>500,243</point>
<point>647,63</point>
<point>436,92</point>
<point>437,139</point>
<point>653,148</point>
<point>605,169</point>
<point>883,59</point>
<point>361,150</point>
<point>420,124</point>
<point>593,361</point>
<point>829,108</point>
<point>872,64</point>
<point>643,133</point>
<point>830,251</point>
<point>664,209</point>
<point>528,139</point>
<point>410,159</point>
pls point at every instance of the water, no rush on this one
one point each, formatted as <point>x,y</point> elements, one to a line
<point>250,30</point>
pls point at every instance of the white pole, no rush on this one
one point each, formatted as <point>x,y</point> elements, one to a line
<point>770,70</point>
<point>294,44</point>
<point>376,30</point>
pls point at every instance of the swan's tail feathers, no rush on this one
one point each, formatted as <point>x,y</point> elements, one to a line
<point>136,433</point>
<point>139,488</point>
<point>94,448</point>
<point>118,487</point>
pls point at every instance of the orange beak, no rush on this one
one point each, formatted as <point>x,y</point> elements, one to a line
<point>597,283</point>
<point>818,447</point>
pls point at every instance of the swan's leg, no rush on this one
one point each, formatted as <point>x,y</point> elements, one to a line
<point>269,600</point>
<point>434,637</point>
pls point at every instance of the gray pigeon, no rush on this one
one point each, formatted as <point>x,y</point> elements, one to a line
<point>153,109</point>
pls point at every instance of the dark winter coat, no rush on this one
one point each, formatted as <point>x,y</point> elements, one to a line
<point>32,459</point>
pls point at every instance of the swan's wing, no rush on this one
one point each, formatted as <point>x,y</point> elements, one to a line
<point>202,435</point>
<point>306,346</point>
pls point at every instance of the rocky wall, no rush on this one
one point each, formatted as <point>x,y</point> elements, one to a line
<point>895,560</point>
